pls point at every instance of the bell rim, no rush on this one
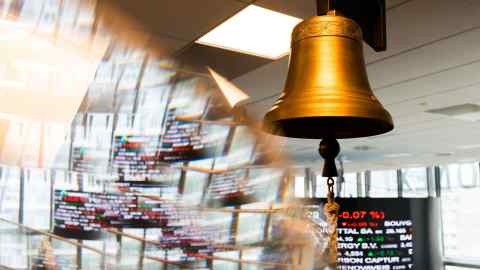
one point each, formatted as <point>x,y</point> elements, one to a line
<point>309,126</point>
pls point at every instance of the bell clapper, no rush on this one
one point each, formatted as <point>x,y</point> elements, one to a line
<point>329,149</point>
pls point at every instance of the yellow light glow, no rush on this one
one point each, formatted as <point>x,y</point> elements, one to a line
<point>42,84</point>
<point>256,31</point>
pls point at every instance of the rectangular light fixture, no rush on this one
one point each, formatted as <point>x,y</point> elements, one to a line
<point>398,155</point>
<point>469,146</point>
<point>254,30</point>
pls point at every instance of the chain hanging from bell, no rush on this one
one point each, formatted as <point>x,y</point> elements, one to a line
<point>331,209</point>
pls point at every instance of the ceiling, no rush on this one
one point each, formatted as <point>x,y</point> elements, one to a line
<point>432,61</point>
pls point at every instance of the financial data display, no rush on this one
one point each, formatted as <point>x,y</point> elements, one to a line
<point>135,155</point>
<point>375,234</point>
<point>82,215</point>
<point>144,155</point>
<point>230,188</point>
<point>184,141</point>
<point>76,216</point>
<point>89,160</point>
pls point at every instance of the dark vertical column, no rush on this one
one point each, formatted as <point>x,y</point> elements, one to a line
<point>138,88</point>
<point>21,206</point>
<point>103,262</point>
<point>427,244</point>
<point>430,181</point>
<point>52,196</point>
<point>79,249</point>
<point>183,179</point>
<point>142,251</point>
<point>313,179</point>
<point>306,182</point>
<point>72,140</point>
<point>240,265</point>
<point>368,183</point>
<point>400,183</point>
<point>165,265</point>
<point>437,174</point>
<point>115,117</point>
<point>359,184</point>
<point>58,19</point>
<point>340,179</point>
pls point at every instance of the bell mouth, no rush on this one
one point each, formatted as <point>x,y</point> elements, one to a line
<point>340,127</point>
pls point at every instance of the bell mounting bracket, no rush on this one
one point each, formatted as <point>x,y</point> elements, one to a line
<point>369,14</point>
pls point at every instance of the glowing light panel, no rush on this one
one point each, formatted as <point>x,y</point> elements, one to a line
<point>256,31</point>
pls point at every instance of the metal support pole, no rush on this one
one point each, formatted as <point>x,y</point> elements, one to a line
<point>359,185</point>
<point>306,182</point>
<point>21,206</point>
<point>438,178</point>
<point>52,175</point>
<point>368,183</point>
<point>430,181</point>
<point>138,87</point>
<point>399,183</point>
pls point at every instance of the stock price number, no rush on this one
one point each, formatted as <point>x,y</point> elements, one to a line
<point>359,215</point>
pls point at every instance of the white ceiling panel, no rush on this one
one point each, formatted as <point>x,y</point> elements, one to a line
<point>420,22</point>
<point>437,57</point>
<point>425,87</point>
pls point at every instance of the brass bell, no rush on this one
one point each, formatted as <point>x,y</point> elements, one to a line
<point>327,93</point>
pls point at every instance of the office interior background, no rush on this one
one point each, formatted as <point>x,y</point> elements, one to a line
<point>88,85</point>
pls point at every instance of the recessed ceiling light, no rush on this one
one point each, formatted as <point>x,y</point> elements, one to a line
<point>445,154</point>
<point>470,146</point>
<point>398,155</point>
<point>254,30</point>
<point>466,112</point>
<point>363,148</point>
<point>470,160</point>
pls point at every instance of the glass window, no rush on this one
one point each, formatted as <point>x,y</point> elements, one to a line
<point>195,181</point>
<point>90,259</point>
<point>253,255</point>
<point>384,184</point>
<point>349,186</point>
<point>299,186</point>
<point>65,253</point>
<point>321,187</point>
<point>9,193</point>
<point>37,199</point>
<point>265,182</point>
<point>130,248</point>
<point>414,182</point>
<point>251,225</point>
<point>225,264</point>
<point>64,180</point>
<point>13,244</point>
<point>241,147</point>
<point>461,217</point>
